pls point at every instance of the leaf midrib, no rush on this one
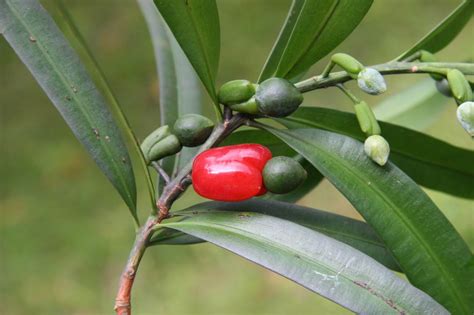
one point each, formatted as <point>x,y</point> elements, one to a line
<point>319,32</point>
<point>72,95</point>
<point>281,247</point>
<point>408,224</point>
<point>210,75</point>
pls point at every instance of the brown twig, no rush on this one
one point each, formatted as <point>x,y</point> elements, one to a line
<point>171,192</point>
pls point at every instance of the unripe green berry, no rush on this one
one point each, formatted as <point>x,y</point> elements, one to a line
<point>465,114</point>
<point>236,91</point>
<point>443,87</point>
<point>367,121</point>
<point>248,107</point>
<point>277,97</point>
<point>192,129</point>
<point>283,174</point>
<point>351,65</point>
<point>371,81</point>
<point>377,148</point>
<point>160,143</point>
<point>459,86</point>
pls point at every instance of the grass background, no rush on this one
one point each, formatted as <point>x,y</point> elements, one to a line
<point>64,233</point>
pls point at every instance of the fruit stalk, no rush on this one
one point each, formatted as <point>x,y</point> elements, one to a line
<point>320,82</point>
<point>170,193</point>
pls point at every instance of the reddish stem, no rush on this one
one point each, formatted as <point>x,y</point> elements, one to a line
<point>171,192</point>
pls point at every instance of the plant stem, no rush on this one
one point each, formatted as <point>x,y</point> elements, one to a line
<point>179,184</point>
<point>319,82</point>
<point>171,192</point>
<point>122,300</point>
<point>161,171</point>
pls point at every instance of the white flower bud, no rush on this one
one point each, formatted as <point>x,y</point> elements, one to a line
<point>377,148</point>
<point>465,114</point>
<point>371,81</point>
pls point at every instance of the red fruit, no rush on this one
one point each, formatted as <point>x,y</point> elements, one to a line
<point>230,173</point>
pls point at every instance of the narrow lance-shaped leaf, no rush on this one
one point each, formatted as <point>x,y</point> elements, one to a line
<point>179,86</point>
<point>430,162</point>
<point>68,26</point>
<point>312,29</point>
<point>195,25</point>
<point>43,49</point>
<point>355,233</point>
<point>444,32</point>
<point>427,247</point>
<point>416,107</point>
<point>313,260</point>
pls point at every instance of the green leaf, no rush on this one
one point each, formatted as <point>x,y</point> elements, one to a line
<point>195,25</point>
<point>311,259</point>
<point>352,232</point>
<point>56,67</point>
<point>179,86</point>
<point>430,162</point>
<point>312,29</point>
<point>68,26</point>
<point>427,247</point>
<point>444,32</point>
<point>278,148</point>
<point>417,107</point>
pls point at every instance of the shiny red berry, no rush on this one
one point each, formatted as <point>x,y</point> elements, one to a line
<point>230,173</point>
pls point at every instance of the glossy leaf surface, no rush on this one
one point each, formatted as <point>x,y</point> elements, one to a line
<point>427,247</point>
<point>312,29</point>
<point>41,46</point>
<point>355,233</point>
<point>195,25</point>
<point>179,86</point>
<point>430,162</point>
<point>311,259</point>
<point>71,31</point>
<point>444,32</point>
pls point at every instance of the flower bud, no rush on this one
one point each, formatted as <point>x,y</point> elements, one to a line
<point>371,81</point>
<point>465,114</point>
<point>377,148</point>
<point>459,86</point>
<point>277,97</point>
<point>236,91</point>
<point>351,65</point>
<point>426,56</point>
<point>192,129</point>
<point>443,87</point>
<point>160,143</point>
<point>367,121</point>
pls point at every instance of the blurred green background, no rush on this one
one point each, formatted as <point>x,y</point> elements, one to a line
<point>64,233</point>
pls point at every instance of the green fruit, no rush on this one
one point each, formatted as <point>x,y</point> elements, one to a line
<point>237,91</point>
<point>192,129</point>
<point>277,97</point>
<point>371,81</point>
<point>367,121</point>
<point>351,65</point>
<point>459,86</point>
<point>160,143</point>
<point>283,174</point>
<point>248,107</point>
